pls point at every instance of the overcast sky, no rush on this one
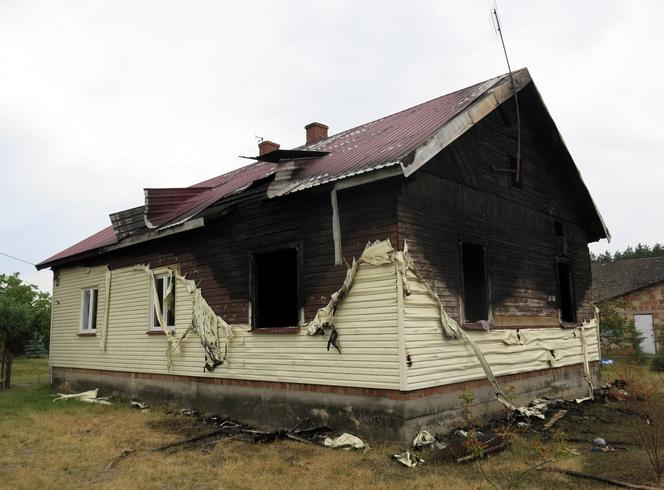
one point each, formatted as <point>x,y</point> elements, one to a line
<point>101,99</point>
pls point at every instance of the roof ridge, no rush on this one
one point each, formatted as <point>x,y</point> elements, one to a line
<point>350,130</point>
<point>227,174</point>
<point>632,259</point>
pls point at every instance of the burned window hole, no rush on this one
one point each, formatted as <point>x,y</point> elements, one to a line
<point>275,288</point>
<point>558,228</point>
<point>566,293</point>
<point>475,297</point>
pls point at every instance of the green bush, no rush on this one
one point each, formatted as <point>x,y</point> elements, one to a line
<point>657,364</point>
<point>614,329</point>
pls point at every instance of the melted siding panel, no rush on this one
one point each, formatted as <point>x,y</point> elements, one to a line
<point>439,361</point>
<point>366,322</point>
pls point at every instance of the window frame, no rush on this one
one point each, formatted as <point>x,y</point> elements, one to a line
<point>86,292</point>
<point>154,321</point>
<point>253,297</point>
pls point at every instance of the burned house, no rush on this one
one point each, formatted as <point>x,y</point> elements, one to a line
<point>363,280</point>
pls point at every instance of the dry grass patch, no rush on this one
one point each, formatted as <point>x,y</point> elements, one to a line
<point>69,444</point>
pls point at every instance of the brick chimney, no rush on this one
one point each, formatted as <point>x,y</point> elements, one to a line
<point>267,147</point>
<point>316,132</point>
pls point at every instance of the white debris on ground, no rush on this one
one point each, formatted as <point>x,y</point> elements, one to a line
<point>536,408</point>
<point>344,441</point>
<point>408,459</point>
<point>86,396</point>
<point>423,439</point>
<point>137,404</point>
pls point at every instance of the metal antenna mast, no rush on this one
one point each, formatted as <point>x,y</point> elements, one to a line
<point>517,176</point>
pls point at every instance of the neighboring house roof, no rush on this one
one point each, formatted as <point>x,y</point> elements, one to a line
<point>613,279</point>
<point>398,144</point>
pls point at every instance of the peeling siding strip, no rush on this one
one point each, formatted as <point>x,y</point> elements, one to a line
<point>403,380</point>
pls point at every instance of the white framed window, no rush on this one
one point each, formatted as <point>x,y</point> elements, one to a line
<point>89,297</point>
<point>165,302</point>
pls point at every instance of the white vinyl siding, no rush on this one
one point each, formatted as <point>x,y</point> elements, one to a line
<point>366,321</point>
<point>436,360</point>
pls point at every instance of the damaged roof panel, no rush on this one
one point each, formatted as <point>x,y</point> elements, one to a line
<point>171,207</point>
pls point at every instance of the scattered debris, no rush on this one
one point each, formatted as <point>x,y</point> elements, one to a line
<point>588,476</point>
<point>599,445</point>
<point>423,439</point>
<point>408,459</point>
<point>346,441</point>
<point>612,443</point>
<point>555,418</point>
<point>608,362</point>
<point>86,396</point>
<point>536,408</point>
<point>189,412</point>
<point>121,456</point>
<point>188,443</point>
<point>139,405</point>
<point>466,445</point>
<point>229,429</point>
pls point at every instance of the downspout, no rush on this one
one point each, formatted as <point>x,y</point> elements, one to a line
<point>107,300</point>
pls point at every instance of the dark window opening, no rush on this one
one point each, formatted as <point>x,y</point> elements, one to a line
<point>276,289</point>
<point>475,300</point>
<point>566,293</point>
<point>558,228</point>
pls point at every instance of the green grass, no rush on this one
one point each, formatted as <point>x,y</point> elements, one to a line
<point>31,392</point>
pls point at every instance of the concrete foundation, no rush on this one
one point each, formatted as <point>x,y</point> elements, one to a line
<point>372,414</point>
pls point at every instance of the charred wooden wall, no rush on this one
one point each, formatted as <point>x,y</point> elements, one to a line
<point>217,256</point>
<point>466,194</point>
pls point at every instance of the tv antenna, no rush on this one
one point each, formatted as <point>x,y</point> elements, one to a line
<point>498,28</point>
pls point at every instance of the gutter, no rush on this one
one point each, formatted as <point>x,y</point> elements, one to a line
<point>142,238</point>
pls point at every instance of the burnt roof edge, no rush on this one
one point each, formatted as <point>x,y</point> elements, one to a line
<point>144,237</point>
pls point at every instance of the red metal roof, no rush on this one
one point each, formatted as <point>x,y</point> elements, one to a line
<point>168,207</point>
<point>172,206</point>
<point>368,147</point>
<point>100,239</point>
<point>383,142</point>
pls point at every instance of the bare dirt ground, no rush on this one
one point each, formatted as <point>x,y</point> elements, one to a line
<point>70,444</point>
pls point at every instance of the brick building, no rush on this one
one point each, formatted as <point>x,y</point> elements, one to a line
<point>639,283</point>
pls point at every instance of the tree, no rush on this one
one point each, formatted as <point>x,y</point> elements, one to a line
<point>638,252</point>
<point>25,312</point>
